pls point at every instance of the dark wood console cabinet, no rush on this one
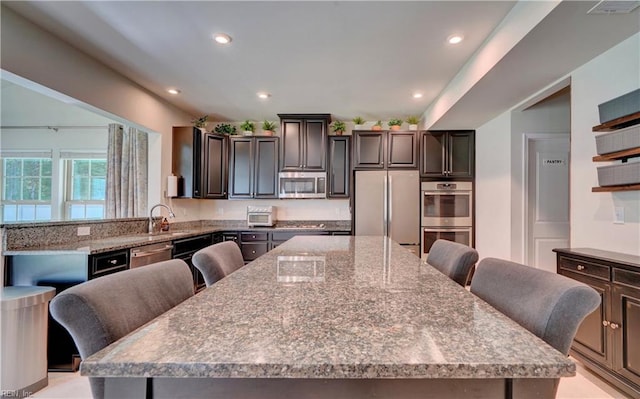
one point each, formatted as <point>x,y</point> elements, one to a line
<point>608,340</point>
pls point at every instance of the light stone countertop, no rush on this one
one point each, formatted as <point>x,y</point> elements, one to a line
<point>332,307</point>
<point>130,240</point>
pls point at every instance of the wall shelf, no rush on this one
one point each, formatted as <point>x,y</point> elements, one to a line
<point>606,189</point>
<point>619,123</point>
<point>618,155</point>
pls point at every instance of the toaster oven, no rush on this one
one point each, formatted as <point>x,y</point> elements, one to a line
<point>260,216</point>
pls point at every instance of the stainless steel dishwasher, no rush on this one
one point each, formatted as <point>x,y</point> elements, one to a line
<point>148,254</point>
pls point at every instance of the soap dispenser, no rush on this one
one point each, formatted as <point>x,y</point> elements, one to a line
<point>164,225</point>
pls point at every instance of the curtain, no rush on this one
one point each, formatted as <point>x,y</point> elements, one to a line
<point>127,175</point>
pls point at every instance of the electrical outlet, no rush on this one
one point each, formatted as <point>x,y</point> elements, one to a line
<point>618,215</point>
<point>84,230</point>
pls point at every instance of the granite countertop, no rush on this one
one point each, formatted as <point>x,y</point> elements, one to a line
<point>179,231</point>
<point>332,307</point>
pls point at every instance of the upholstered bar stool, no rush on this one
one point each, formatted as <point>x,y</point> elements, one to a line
<point>99,312</point>
<point>549,305</point>
<point>453,259</point>
<point>218,260</point>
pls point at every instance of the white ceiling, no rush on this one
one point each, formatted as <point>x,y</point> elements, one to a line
<point>358,58</point>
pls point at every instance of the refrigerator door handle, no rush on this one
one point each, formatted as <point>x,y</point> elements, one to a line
<point>390,207</point>
<point>385,208</point>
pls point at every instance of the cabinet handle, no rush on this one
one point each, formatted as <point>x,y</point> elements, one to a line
<point>613,326</point>
<point>605,323</point>
<point>580,267</point>
<point>253,252</point>
<point>253,236</point>
<point>113,261</point>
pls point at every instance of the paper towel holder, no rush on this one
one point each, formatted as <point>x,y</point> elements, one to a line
<point>172,186</point>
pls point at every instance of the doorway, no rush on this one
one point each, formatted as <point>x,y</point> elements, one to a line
<point>546,198</point>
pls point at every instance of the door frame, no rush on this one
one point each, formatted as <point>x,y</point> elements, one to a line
<point>526,139</point>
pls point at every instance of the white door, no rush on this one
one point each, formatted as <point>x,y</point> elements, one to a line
<point>547,219</point>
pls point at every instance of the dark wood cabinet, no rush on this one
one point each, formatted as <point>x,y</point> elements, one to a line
<point>304,140</point>
<point>253,167</point>
<point>339,168</point>
<point>108,263</point>
<point>380,149</point>
<point>606,341</point>
<point>447,154</point>
<point>200,161</point>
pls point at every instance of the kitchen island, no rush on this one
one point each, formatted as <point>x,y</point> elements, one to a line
<point>338,317</point>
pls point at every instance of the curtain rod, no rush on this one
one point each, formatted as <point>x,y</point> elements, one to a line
<point>54,128</point>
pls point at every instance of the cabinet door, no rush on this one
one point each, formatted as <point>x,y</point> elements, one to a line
<point>266,168</point>
<point>433,154</point>
<point>241,168</point>
<point>314,145</point>
<point>214,166</point>
<point>402,151</point>
<point>460,151</point>
<point>339,166</point>
<point>292,149</point>
<point>626,316</point>
<point>369,149</point>
<point>592,338</point>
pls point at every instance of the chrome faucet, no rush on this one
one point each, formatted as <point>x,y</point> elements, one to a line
<point>152,224</point>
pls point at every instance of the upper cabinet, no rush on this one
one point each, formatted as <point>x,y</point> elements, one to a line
<point>382,149</point>
<point>253,167</point>
<point>447,154</point>
<point>339,166</point>
<point>200,161</point>
<point>304,138</point>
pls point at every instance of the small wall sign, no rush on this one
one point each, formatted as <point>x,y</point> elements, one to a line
<point>554,162</point>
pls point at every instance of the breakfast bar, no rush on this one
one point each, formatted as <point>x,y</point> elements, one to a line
<point>331,317</point>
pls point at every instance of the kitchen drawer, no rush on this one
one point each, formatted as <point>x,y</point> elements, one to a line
<point>252,251</point>
<point>626,277</point>
<point>230,237</point>
<point>254,236</point>
<point>108,263</point>
<point>601,272</point>
<point>191,244</point>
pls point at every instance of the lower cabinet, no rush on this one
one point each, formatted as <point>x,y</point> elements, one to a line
<point>253,245</point>
<point>108,263</point>
<point>186,247</point>
<point>608,340</point>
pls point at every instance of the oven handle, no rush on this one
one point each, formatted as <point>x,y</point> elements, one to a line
<point>444,228</point>
<point>454,192</point>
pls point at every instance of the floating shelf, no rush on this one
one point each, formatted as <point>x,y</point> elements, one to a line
<point>619,123</point>
<point>626,187</point>
<point>614,156</point>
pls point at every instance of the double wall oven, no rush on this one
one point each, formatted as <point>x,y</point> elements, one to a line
<point>446,213</point>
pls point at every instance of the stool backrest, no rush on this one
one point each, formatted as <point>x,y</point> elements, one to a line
<point>218,260</point>
<point>99,312</point>
<point>549,305</point>
<point>453,259</point>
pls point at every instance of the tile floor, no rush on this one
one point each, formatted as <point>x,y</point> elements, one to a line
<point>584,385</point>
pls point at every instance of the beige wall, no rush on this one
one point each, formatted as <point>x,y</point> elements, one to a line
<point>498,174</point>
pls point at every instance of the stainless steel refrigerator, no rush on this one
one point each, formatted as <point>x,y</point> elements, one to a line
<point>387,203</point>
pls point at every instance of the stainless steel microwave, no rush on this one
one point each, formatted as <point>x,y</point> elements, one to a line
<point>302,185</point>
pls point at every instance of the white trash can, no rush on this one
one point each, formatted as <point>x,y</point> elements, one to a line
<point>23,333</point>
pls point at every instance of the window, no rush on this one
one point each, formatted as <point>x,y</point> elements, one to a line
<point>85,191</point>
<point>26,189</point>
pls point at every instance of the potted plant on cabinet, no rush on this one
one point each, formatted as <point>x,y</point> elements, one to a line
<point>225,128</point>
<point>394,124</point>
<point>268,128</point>
<point>247,128</point>
<point>200,122</point>
<point>339,127</point>
<point>377,126</point>
<point>413,122</point>
<point>358,121</point>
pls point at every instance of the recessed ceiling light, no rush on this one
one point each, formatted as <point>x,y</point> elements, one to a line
<point>222,38</point>
<point>173,91</point>
<point>417,95</point>
<point>264,95</point>
<point>455,39</point>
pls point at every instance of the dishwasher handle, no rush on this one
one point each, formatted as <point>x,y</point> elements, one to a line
<point>140,254</point>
